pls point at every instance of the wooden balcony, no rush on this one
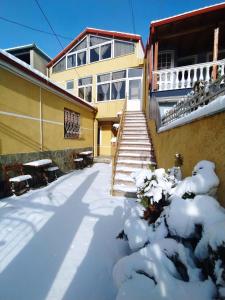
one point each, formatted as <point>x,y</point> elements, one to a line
<point>185,77</point>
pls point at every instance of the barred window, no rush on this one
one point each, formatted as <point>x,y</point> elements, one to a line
<point>71,124</point>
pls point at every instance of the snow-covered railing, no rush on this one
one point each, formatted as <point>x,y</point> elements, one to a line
<point>191,102</point>
<point>116,147</point>
<point>185,77</point>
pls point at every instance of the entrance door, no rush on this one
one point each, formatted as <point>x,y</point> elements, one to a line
<point>134,94</point>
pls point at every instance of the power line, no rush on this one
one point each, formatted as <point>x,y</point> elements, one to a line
<point>132,15</point>
<point>32,28</point>
<point>46,18</point>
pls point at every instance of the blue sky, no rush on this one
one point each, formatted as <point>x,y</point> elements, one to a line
<point>70,17</point>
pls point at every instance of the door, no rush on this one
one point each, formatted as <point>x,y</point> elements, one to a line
<point>134,94</point>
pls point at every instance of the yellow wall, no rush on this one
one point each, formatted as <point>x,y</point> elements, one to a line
<point>105,139</point>
<point>20,131</point>
<point>107,109</point>
<point>202,139</point>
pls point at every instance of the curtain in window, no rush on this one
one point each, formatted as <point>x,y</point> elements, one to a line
<point>119,75</point>
<point>123,48</point>
<point>118,90</point>
<point>104,92</point>
<point>60,66</point>
<point>94,54</point>
<point>81,58</point>
<point>71,61</point>
<point>81,45</point>
<point>88,96</point>
<point>81,92</point>
<point>135,89</point>
<point>96,40</point>
<point>103,77</point>
<point>106,51</point>
<point>85,81</point>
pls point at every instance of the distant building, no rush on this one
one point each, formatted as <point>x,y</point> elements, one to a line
<point>32,55</point>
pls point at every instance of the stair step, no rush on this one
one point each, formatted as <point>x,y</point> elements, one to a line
<point>135,149</point>
<point>139,128</point>
<point>132,154</point>
<point>127,170</point>
<point>123,190</point>
<point>134,163</point>
<point>135,137</point>
<point>124,179</point>
<point>135,143</point>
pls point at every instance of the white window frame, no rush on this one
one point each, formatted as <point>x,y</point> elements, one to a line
<point>85,86</point>
<point>71,80</point>
<point>88,48</point>
<point>172,52</point>
<point>126,79</point>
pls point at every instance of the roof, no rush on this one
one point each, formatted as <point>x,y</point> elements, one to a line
<point>105,33</point>
<point>188,14</point>
<point>27,48</point>
<point>41,78</point>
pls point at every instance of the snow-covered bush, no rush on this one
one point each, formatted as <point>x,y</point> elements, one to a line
<point>179,253</point>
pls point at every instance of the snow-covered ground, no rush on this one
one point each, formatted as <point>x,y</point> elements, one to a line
<point>59,242</point>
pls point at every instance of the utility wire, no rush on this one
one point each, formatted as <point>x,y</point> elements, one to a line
<point>32,28</point>
<point>46,18</point>
<point>132,15</point>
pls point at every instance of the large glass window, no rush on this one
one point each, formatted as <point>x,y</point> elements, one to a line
<point>60,66</point>
<point>85,88</point>
<point>81,58</point>
<point>94,54</point>
<point>101,52</point>
<point>80,46</point>
<point>71,61</point>
<point>123,48</point>
<point>118,90</point>
<point>103,92</point>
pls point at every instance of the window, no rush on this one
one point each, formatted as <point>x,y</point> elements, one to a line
<point>71,124</point>
<point>60,66</point>
<point>111,86</point>
<point>70,85</point>
<point>101,52</point>
<point>85,88</point>
<point>93,49</point>
<point>166,60</point>
<point>135,72</point>
<point>123,48</point>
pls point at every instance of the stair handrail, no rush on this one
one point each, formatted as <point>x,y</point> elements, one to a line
<point>118,140</point>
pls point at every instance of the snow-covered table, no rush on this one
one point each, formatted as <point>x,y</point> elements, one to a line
<point>87,157</point>
<point>39,170</point>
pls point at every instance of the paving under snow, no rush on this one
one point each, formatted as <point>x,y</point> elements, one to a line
<point>59,242</point>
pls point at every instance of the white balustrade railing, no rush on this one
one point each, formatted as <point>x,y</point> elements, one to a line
<point>185,77</point>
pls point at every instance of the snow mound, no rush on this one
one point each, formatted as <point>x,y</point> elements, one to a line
<point>151,274</point>
<point>203,180</point>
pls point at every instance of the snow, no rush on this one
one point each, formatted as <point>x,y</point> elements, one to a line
<point>113,139</point>
<point>39,163</point>
<point>154,262</point>
<point>51,169</point>
<point>203,180</point>
<point>20,178</point>
<point>86,153</point>
<point>59,242</point>
<point>116,125</point>
<point>213,107</point>
<point>78,159</point>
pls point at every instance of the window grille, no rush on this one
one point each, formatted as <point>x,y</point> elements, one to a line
<point>71,124</point>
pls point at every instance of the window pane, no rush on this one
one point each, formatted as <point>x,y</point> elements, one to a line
<point>94,54</point>
<point>119,75</point>
<point>81,45</point>
<point>81,92</point>
<point>85,81</point>
<point>103,92</point>
<point>96,40</point>
<point>118,90</point>
<point>135,72</point>
<point>135,89</point>
<point>123,48</point>
<point>88,96</point>
<point>69,85</point>
<point>60,66</point>
<point>103,77</point>
<point>81,58</point>
<point>106,51</point>
<point>71,61</point>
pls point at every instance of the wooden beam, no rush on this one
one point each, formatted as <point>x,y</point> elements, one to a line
<point>150,64</point>
<point>215,52</point>
<point>155,66</point>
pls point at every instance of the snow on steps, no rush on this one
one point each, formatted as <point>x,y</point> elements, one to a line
<point>134,156</point>
<point>123,190</point>
<point>135,163</point>
<point>125,179</point>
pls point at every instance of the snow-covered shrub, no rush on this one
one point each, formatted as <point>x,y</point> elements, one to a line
<point>179,253</point>
<point>203,181</point>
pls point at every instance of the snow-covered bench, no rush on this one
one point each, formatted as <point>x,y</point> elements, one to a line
<point>16,181</point>
<point>87,157</point>
<point>38,170</point>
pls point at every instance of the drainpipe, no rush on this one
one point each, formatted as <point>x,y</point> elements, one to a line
<point>41,123</point>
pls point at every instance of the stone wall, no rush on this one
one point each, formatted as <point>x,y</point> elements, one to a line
<point>63,158</point>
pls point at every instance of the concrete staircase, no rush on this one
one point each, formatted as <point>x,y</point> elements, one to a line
<point>135,152</point>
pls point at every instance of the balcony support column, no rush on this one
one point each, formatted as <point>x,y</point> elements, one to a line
<point>156,51</point>
<point>215,52</point>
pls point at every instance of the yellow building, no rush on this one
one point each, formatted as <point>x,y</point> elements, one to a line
<point>103,68</point>
<point>39,119</point>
